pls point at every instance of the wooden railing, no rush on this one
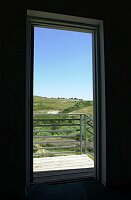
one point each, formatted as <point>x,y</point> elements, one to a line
<point>62,134</point>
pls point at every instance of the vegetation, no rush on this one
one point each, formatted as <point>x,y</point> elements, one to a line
<point>45,144</point>
<point>45,105</point>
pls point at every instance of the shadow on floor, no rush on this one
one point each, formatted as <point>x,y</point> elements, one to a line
<point>83,190</point>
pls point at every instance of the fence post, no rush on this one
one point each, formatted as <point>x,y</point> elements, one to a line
<point>80,134</point>
<point>85,118</point>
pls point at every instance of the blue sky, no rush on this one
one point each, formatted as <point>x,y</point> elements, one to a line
<point>62,64</point>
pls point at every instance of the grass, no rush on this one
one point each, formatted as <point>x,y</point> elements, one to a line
<point>86,110</point>
<point>63,106</point>
<point>47,104</point>
<point>44,105</point>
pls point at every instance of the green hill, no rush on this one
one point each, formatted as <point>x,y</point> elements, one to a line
<point>58,134</point>
<point>60,105</point>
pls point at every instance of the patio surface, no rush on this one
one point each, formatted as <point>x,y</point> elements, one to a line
<point>62,163</point>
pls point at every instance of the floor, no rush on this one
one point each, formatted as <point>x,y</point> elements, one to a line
<point>62,163</point>
<point>62,168</point>
<point>79,190</point>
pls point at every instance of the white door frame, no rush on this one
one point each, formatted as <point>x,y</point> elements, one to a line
<point>66,22</point>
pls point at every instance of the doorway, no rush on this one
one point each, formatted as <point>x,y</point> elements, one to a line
<point>63,134</point>
<point>76,25</point>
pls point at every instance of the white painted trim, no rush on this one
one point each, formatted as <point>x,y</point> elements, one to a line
<point>53,20</point>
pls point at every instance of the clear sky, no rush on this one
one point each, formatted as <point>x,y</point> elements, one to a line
<point>62,63</point>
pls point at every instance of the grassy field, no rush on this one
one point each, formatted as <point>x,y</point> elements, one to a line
<point>66,107</point>
<point>46,105</point>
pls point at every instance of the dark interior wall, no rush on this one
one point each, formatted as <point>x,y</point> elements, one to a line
<point>118,80</point>
<point>13,105</point>
<point>118,98</point>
